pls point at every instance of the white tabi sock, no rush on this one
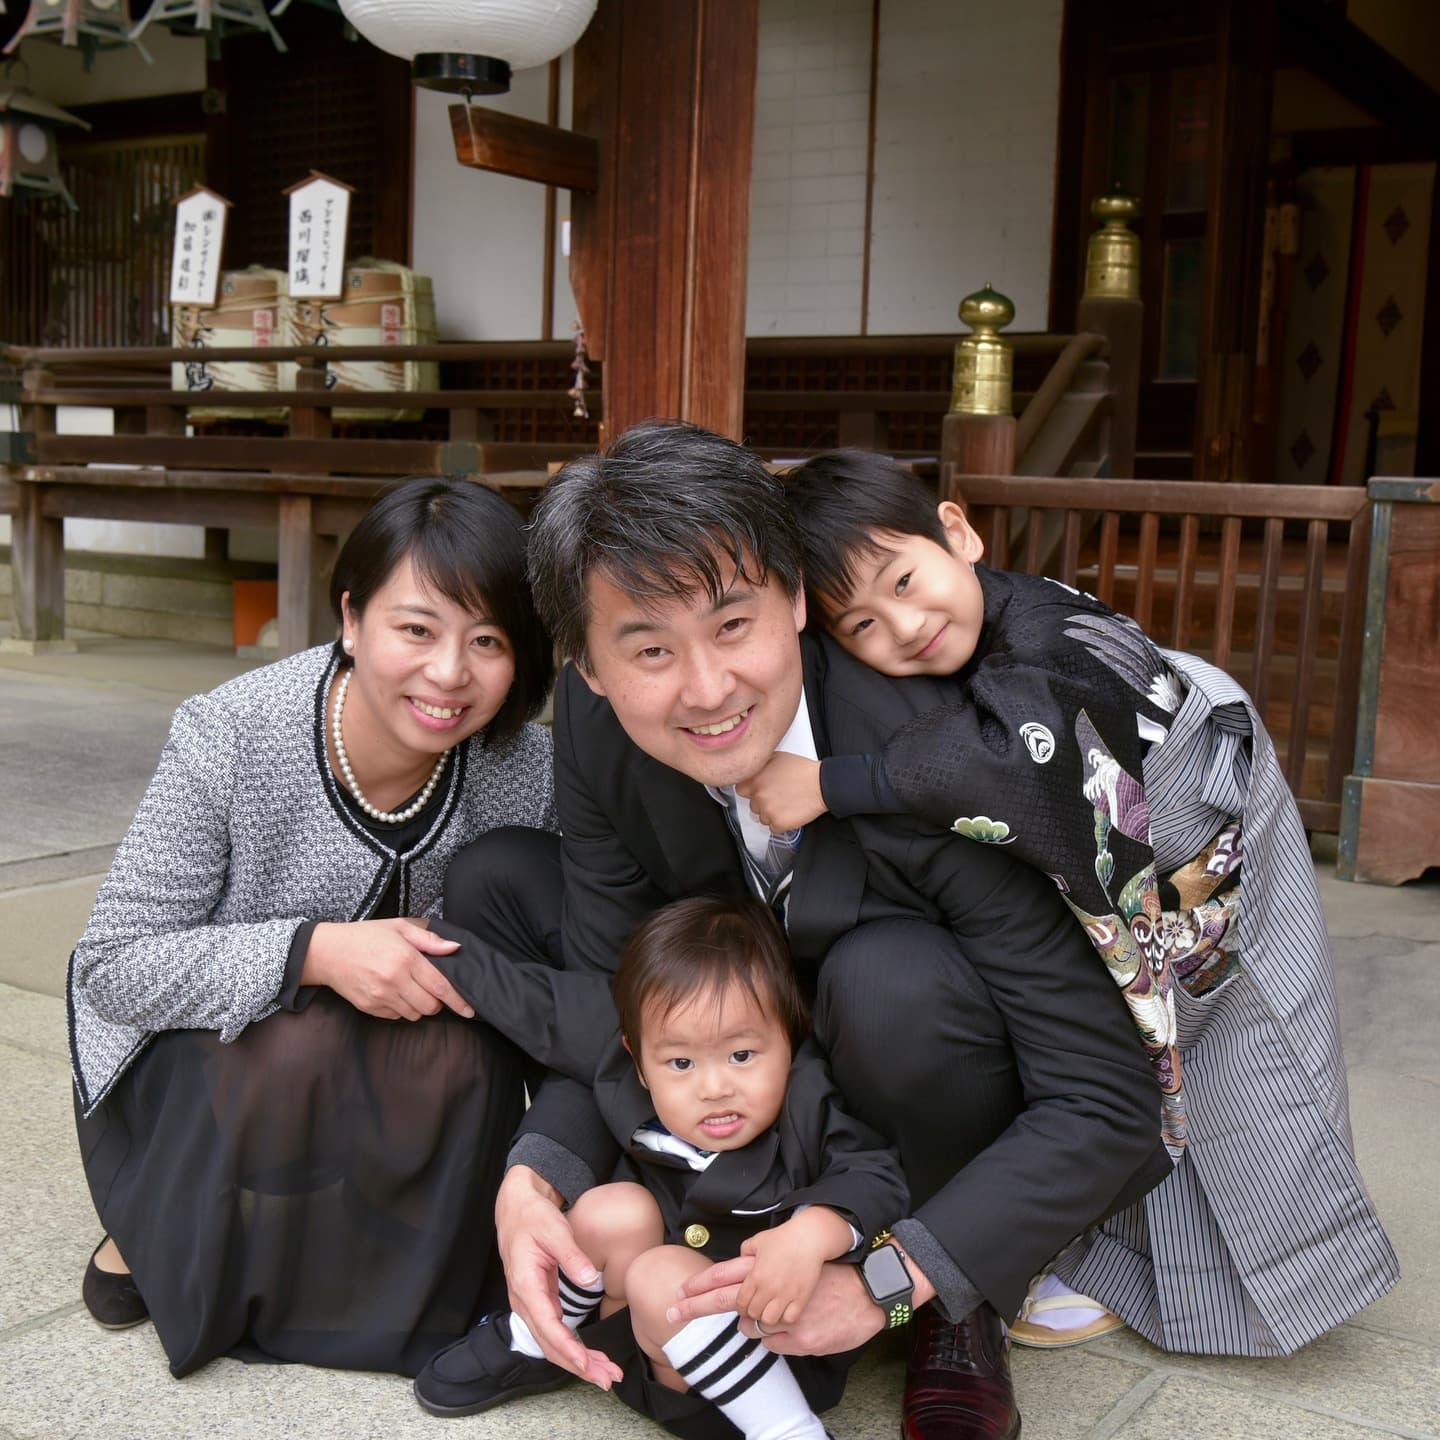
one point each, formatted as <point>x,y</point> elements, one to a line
<point>577,1304</point>
<point>751,1386</point>
<point>1056,1315</point>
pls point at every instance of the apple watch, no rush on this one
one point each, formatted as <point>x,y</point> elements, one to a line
<point>887,1279</point>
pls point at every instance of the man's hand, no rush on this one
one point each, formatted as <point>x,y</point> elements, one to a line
<point>840,1315</point>
<point>786,793</point>
<point>379,966</point>
<point>535,1243</point>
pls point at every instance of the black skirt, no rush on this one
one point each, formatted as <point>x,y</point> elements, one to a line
<point>321,1190</point>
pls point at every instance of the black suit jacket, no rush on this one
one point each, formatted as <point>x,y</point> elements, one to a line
<point>814,1154</point>
<point>638,835</point>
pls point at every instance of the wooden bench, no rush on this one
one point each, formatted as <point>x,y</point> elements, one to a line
<point>308,485</point>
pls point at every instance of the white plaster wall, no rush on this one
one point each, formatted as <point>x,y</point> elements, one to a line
<point>807,187</point>
<point>965,148</point>
<point>481,237</point>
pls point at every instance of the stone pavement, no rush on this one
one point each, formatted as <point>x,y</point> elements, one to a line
<point>81,733</point>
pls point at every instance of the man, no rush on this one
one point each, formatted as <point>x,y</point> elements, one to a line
<point>961,1007</point>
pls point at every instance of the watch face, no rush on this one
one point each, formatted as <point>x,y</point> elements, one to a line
<point>885,1274</point>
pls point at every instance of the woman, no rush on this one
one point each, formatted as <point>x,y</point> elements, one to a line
<point>288,1172</point>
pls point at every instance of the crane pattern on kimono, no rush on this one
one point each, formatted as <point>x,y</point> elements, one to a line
<point>1143,946</point>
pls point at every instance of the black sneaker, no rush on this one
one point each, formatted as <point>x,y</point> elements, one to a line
<point>112,1298</point>
<point>482,1370</point>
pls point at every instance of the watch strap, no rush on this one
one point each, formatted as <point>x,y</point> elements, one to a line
<point>897,1308</point>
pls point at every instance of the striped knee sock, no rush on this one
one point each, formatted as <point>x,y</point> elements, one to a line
<point>752,1387</point>
<point>577,1304</point>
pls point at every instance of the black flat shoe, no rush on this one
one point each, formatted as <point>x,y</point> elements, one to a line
<point>112,1299</point>
<point>482,1370</point>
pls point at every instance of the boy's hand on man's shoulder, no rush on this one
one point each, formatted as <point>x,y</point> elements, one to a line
<point>785,795</point>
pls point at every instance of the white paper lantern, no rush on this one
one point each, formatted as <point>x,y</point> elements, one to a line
<point>439,37</point>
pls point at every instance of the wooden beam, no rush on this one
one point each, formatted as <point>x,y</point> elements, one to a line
<point>264,452</point>
<point>1359,145</point>
<point>1339,52</point>
<point>511,145</point>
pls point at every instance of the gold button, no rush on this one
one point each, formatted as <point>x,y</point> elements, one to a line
<point>697,1237</point>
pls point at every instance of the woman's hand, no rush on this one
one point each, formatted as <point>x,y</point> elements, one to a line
<point>379,966</point>
<point>535,1242</point>
<point>785,794</point>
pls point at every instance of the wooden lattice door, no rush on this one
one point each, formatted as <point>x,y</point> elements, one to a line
<point>99,274</point>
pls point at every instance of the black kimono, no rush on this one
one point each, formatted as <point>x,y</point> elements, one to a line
<point>1044,754</point>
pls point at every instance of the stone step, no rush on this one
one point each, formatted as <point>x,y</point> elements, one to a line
<point>146,597</point>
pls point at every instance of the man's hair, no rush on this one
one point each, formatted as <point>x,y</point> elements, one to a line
<point>468,546</point>
<point>842,501</point>
<point>662,514</point>
<point>700,947</point>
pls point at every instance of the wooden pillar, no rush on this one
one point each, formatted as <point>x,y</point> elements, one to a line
<point>1111,307</point>
<point>306,559</point>
<point>977,437</point>
<point>1239,150</point>
<point>37,543</point>
<point>658,251</point>
<point>974,445</point>
<point>1122,323</point>
<point>37,556</point>
<point>1390,802</point>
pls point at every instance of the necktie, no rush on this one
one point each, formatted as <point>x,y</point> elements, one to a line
<point>780,855</point>
<point>769,872</point>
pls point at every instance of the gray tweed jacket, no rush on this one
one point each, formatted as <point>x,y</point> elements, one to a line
<point>241,837</point>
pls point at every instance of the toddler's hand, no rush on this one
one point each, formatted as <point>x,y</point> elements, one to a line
<point>783,1279</point>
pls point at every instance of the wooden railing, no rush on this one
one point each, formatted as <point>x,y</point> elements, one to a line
<point>1066,421</point>
<point>299,470</point>
<point>887,393</point>
<point>1235,573</point>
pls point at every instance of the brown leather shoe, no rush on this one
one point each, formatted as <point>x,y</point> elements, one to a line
<point>957,1382</point>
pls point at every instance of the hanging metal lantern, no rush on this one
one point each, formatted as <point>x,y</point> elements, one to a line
<point>29,152</point>
<point>469,47</point>
<point>211,17</point>
<point>90,25</point>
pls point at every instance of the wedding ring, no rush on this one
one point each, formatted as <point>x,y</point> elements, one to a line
<point>760,1331</point>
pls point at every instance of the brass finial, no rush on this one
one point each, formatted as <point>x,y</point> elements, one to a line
<point>984,362</point>
<point>1112,261</point>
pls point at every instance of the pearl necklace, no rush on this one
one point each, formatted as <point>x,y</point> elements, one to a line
<point>385,817</point>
